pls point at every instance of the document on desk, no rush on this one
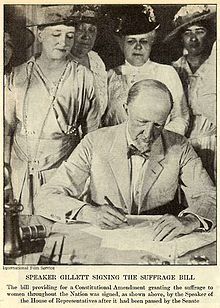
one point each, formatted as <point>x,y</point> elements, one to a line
<point>140,237</point>
<point>133,238</point>
<point>136,236</point>
<point>140,241</point>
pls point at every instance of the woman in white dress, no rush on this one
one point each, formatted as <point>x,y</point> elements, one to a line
<point>136,34</point>
<point>195,28</point>
<point>48,100</point>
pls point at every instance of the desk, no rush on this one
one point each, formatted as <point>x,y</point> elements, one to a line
<point>86,249</point>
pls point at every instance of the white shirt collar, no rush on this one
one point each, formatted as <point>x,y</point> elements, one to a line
<point>128,69</point>
<point>128,136</point>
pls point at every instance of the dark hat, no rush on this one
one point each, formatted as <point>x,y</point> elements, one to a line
<point>189,15</point>
<point>138,19</point>
<point>88,13</point>
<point>51,15</point>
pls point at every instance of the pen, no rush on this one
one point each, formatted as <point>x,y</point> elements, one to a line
<point>112,205</point>
<point>109,201</point>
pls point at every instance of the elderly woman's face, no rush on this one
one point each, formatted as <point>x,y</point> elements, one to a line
<point>57,41</point>
<point>8,48</point>
<point>195,39</point>
<point>137,48</point>
<point>85,36</point>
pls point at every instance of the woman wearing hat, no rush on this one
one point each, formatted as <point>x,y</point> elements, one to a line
<point>87,17</point>
<point>136,34</point>
<point>195,28</point>
<point>48,99</point>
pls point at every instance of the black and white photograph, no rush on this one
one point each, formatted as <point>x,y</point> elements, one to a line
<point>110,135</point>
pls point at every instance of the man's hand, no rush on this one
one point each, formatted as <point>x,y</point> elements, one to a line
<point>169,226</point>
<point>104,216</point>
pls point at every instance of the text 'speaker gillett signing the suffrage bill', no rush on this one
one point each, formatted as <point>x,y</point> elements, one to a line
<point>110,141</point>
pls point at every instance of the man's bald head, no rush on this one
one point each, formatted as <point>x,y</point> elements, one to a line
<point>149,97</point>
<point>150,87</point>
<point>148,105</point>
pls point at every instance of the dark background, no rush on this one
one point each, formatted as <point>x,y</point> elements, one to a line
<point>105,45</point>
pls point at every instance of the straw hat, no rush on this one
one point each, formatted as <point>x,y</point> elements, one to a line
<point>51,15</point>
<point>188,15</point>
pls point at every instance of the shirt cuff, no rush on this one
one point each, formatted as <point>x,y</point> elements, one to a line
<point>205,224</point>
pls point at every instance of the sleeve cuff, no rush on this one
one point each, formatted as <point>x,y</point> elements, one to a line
<point>205,224</point>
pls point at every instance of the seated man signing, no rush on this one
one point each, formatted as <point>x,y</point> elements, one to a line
<point>138,166</point>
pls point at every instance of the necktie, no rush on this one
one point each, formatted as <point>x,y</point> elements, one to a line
<point>132,150</point>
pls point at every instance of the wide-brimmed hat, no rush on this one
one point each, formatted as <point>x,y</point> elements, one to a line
<point>136,19</point>
<point>189,15</point>
<point>87,13</point>
<point>51,15</point>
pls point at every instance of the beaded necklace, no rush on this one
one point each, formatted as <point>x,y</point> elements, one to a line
<point>33,161</point>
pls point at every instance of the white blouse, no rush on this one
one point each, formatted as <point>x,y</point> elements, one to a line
<point>123,77</point>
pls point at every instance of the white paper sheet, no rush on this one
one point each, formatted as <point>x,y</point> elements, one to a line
<point>139,237</point>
